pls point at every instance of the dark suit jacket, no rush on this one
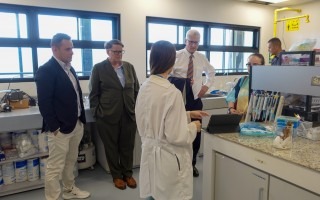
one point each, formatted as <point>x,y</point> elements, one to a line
<point>107,96</point>
<point>57,98</point>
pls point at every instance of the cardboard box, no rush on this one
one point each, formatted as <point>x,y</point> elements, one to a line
<point>24,103</point>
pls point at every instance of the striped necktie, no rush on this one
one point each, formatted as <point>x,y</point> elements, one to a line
<point>190,67</point>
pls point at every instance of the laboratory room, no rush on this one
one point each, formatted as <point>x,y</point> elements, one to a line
<point>160,99</point>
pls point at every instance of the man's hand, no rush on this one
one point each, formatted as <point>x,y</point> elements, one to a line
<point>203,90</point>
<point>198,114</point>
<point>56,131</point>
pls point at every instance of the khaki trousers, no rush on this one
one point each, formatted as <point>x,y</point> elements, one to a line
<point>63,155</point>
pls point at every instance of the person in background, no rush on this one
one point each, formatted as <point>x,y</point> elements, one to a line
<point>61,106</point>
<point>166,131</point>
<point>114,88</point>
<point>274,48</point>
<point>189,66</point>
<point>238,98</point>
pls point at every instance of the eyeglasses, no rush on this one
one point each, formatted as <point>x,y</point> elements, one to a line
<point>193,42</point>
<point>250,65</point>
<point>117,52</point>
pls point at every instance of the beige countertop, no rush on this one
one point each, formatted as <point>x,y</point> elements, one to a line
<point>29,118</point>
<point>299,165</point>
<point>304,152</point>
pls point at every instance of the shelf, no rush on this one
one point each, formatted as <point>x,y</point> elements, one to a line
<point>25,158</point>
<point>25,119</point>
<point>21,187</point>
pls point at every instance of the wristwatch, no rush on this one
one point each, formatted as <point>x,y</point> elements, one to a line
<point>229,110</point>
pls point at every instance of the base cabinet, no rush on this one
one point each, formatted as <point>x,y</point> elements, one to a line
<point>235,180</point>
<point>280,190</point>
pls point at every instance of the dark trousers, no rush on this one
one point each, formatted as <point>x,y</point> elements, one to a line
<point>193,104</point>
<point>118,140</point>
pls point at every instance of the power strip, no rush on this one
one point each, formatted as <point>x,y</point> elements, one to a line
<point>315,100</point>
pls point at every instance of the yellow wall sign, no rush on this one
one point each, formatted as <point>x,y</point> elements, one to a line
<point>292,24</point>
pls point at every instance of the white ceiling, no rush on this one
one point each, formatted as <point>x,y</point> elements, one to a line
<point>286,3</point>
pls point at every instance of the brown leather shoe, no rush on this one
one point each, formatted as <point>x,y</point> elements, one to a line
<point>131,183</point>
<point>119,183</point>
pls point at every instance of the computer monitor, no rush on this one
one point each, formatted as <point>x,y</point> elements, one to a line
<point>297,58</point>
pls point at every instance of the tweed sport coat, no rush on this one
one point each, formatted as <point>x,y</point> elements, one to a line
<point>107,96</point>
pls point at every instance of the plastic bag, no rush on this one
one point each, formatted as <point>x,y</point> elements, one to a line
<point>305,45</point>
<point>256,129</point>
<point>24,145</point>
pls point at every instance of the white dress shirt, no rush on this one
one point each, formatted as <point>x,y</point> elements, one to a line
<point>66,67</point>
<point>200,64</point>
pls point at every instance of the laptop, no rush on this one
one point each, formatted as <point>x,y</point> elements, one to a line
<point>224,123</point>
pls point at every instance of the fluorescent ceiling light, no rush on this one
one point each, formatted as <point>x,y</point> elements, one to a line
<point>273,1</point>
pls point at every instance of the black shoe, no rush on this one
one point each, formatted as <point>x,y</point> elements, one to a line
<point>195,171</point>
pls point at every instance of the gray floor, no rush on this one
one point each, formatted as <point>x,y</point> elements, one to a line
<point>99,183</point>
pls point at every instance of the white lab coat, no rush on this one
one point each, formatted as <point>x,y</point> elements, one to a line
<point>166,160</point>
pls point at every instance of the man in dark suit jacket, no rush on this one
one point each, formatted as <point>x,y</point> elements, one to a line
<point>113,91</point>
<point>61,106</point>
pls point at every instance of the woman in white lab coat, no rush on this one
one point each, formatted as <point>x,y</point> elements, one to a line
<point>166,132</point>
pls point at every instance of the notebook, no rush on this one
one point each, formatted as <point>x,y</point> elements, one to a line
<point>224,123</point>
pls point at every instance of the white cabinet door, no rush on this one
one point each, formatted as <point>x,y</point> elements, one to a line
<point>280,190</point>
<point>235,180</point>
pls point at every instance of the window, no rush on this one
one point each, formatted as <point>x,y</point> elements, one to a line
<point>25,34</point>
<point>226,46</point>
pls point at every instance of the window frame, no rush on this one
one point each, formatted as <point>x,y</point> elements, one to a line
<point>206,47</point>
<point>33,41</point>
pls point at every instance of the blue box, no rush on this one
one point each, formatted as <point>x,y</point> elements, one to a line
<point>282,121</point>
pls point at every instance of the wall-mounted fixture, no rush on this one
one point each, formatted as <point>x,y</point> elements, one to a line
<point>276,20</point>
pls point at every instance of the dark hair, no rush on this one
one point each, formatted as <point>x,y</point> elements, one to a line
<point>109,44</point>
<point>275,41</point>
<point>162,57</point>
<point>259,55</point>
<point>57,38</point>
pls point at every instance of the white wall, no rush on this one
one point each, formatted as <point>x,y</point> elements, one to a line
<point>133,23</point>
<point>309,30</point>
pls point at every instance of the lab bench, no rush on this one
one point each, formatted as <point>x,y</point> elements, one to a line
<point>24,119</point>
<point>243,167</point>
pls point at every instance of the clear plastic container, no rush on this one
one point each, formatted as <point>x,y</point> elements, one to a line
<point>285,131</point>
<point>303,128</point>
<point>282,122</point>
